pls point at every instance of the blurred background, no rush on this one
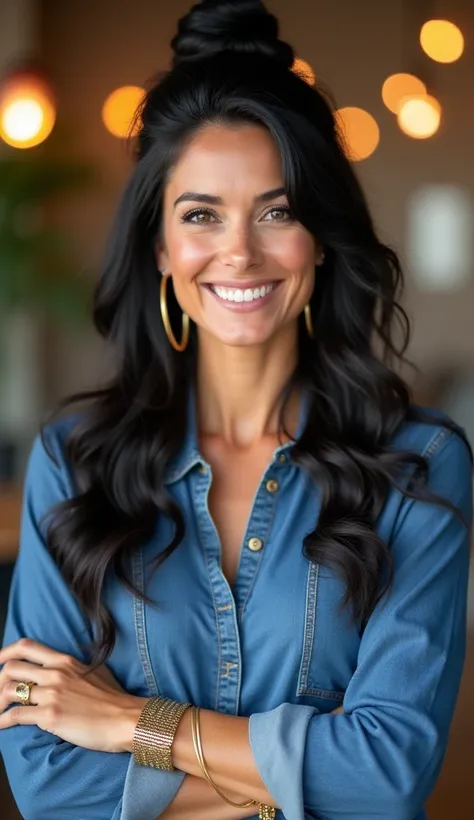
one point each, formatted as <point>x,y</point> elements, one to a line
<point>71,75</point>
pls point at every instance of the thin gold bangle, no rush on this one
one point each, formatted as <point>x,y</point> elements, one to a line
<point>199,754</point>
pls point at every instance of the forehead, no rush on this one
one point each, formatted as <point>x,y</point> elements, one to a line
<point>228,156</point>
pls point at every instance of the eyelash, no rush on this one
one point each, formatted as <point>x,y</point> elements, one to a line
<point>187,216</point>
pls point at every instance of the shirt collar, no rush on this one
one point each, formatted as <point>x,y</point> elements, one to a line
<point>189,455</point>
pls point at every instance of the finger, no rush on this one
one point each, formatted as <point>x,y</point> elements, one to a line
<point>26,715</point>
<point>23,670</point>
<point>30,650</point>
<point>15,672</point>
<point>9,696</point>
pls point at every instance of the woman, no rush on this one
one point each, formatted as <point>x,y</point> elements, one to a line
<point>251,517</point>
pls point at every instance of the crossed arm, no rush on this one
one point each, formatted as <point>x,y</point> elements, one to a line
<point>93,712</point>
<point>227,752</point>
<point>231,765</point>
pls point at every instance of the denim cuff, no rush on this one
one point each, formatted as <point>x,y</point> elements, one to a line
<point>277,741</point>
<point>147,792</point>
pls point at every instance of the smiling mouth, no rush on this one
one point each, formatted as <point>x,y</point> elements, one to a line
<point>243,294</point>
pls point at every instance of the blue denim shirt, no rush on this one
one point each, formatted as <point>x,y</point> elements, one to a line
<point>274,647</point>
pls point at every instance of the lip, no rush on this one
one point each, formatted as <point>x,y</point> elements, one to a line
<point>242,284</point>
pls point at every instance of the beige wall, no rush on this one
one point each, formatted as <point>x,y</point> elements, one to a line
<point>92,47</point>
<point>18,29</point>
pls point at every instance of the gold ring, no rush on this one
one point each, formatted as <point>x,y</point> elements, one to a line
<point>23,692</point>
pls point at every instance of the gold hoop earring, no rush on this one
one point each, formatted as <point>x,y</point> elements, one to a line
<point>308,321</point>
<point>179,346</point>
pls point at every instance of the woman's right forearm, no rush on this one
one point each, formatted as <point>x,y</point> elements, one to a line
<point>197,800</point>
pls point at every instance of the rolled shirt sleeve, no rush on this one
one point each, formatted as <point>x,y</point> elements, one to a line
<point>381,758</point>
<point>52,779</point>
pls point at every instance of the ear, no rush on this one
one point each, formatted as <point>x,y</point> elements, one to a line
<point>161,257</point>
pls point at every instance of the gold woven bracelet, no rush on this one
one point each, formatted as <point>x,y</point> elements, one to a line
<point>265,812</point>
<point>155,732</point>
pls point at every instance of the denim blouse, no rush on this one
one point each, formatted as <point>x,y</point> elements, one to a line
<point>274,647</point>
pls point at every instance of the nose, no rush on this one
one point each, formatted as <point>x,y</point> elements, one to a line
<point>241,249</point>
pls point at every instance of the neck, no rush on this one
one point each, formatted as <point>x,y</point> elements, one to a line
<point>239,389</point>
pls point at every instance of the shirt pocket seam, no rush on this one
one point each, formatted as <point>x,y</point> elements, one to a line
<point>139,619</point>
<point>303,689</point>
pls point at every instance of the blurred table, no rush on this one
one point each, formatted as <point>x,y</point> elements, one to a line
<point>10,513</point>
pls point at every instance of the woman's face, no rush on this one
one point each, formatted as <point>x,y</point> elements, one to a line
<point>242,267</point>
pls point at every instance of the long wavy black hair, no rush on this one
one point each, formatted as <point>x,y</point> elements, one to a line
<point>230,67</point>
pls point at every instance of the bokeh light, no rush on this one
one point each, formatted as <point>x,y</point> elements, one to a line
<point>360,132</point>
<point>419,116</point>
<point>442,41</point>
<point>27,109</point>
<point>119,110</point>
<point>304,70</point>
<point>398,86</point>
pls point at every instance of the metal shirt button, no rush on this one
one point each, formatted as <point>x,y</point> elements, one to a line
<point>282,458</point>
<point>255,544</point>
<point>271,485</point>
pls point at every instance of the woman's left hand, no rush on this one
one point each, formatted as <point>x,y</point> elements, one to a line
<point>91,711</point>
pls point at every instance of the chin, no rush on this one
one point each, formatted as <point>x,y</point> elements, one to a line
<point>243,339</point>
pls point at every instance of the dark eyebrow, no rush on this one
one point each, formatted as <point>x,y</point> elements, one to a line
<point>208,199</point>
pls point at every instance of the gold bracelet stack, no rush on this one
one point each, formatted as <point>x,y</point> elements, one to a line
<point>153,740</point>
<point>264,812</point>
<point>155,731</point>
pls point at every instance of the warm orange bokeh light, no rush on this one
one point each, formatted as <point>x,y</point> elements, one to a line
<point>119,110</point>
<point>442,41</point>
<point>419,116</point>
<point>360,132</point>
<point>398,86</point>
<point>27,110</point>
<point>304,70</point>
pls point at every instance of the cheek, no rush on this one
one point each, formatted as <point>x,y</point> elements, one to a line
<point>188,254</point>
<point>294,251</point>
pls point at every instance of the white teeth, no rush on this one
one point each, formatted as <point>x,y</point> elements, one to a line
<point>238,295</point>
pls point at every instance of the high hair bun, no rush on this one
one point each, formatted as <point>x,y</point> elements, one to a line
<point>212,27</point>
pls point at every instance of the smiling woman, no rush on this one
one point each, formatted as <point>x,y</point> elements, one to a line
<point>244,269</point>
<point>251,524</point>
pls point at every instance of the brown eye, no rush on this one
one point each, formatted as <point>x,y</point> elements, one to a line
<point>191,216</point>
<point>283,213</point>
